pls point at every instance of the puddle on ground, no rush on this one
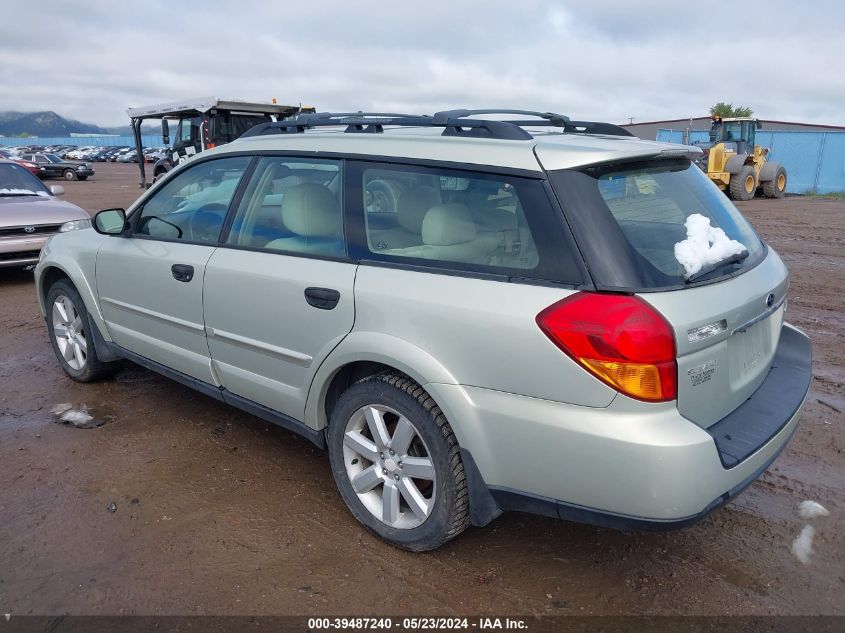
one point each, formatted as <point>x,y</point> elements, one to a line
<point>82,416</point>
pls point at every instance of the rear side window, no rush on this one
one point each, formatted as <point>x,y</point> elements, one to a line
<point>444,218</point>
<point>630,217</point>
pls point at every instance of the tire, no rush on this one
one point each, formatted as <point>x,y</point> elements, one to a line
<point>743,184</point>
<point>441,499</point>
<point>776,187</point>
<point>75,342</point>
<point>69,174</point>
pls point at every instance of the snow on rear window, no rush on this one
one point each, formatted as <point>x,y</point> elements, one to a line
<point>652,204</point>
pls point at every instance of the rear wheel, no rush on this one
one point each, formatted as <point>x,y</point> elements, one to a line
<point>69,174</point>
<point>743,183</point>
<point>776,187</point>
<point>397,463</point>
<point>70,335</point>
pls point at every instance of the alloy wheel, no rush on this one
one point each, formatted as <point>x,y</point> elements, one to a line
<point>389,466</point>
<point>69,332</point>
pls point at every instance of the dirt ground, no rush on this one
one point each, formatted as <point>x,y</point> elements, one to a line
<point>218,512</point>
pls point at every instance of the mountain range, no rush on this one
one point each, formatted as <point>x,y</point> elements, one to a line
<point>49,123</point>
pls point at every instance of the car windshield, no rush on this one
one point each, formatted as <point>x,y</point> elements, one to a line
<point>17,181</point>
<point>662,224</point>
<point>53,158</point>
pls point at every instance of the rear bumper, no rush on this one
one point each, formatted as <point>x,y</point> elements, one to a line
<point>631,465</point>
<point>743,431</point>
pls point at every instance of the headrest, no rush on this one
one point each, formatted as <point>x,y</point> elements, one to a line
<point>448,224</point>
<point>278,171</point>
<point>412,206</point>
<point>311,210</point>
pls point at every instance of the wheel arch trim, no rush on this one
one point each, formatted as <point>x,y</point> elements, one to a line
<point>79,281</point>
<point>372,347</point>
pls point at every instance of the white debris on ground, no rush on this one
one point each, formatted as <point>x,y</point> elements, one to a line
<point>76,417</point>
<point>802,546</point>
<point>704,245</point>
<point>80,418</point>
<point>811,509</point>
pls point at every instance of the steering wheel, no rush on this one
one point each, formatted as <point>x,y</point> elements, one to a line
<point>206,222</point>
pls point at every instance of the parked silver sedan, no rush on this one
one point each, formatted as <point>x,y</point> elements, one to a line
<point>29,214</point>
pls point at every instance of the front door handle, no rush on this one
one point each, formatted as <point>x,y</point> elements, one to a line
<point>322,298</point>
<point>182,272</point>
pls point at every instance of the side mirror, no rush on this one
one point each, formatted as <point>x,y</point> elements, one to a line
<point>165,132</point>
<point>57,190</point>
<point>110,221</point>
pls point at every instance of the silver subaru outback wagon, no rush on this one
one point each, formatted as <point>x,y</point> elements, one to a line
<point>474,312</point>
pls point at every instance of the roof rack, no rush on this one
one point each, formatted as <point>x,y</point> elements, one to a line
<point>453,122</point>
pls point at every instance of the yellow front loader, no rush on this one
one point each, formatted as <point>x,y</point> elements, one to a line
<point>736,164</point>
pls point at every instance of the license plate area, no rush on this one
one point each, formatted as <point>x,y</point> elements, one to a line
<point>750,349</point>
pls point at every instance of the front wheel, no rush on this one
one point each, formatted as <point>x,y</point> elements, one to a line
<point>743,183</point>
<point>70,335</point>
<point>69,174</point>
<point>397,463</point>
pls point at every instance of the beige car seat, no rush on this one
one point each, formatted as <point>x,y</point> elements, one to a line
<point>449,233</point>
<point>311,211</point>
<point>411,207</point>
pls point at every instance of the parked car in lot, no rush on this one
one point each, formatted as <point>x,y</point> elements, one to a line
<point>120,151</point>
<point>30,214</point>
<point>55,167</point>
<point>32,167</point>
<point>102,155</point>
<point>127,157</point>
<point>154,154</point>
<point>472,314</point>
<point>76,154</point>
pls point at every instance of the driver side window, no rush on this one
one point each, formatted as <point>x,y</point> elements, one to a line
<point>192,206</point>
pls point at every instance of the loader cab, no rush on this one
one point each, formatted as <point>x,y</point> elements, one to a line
<point>738,134</point>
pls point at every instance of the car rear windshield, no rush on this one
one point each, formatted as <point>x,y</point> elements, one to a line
<point>631,217</point>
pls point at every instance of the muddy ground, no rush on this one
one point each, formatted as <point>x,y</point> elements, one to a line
<point>218,512</point>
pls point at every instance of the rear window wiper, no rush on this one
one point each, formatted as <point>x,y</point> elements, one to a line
<point>733,259</point>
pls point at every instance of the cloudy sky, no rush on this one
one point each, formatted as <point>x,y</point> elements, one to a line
<point>597,59</point>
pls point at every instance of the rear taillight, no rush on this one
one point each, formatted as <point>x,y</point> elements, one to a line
<point>620,339</point>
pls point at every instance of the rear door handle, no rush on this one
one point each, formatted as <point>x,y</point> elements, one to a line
<point>182,272</point>
<point>322,298</point>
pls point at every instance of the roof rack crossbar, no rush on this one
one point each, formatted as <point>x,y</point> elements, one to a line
<point>596,127</point>
<point>555,119</point>
<point>454,122</point>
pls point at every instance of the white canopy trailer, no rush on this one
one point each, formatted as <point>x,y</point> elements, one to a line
<point>203,122</point>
